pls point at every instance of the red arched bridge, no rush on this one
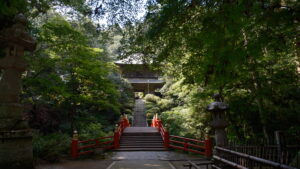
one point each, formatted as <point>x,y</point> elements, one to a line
<point>139,137</point>
<point>127,138</point>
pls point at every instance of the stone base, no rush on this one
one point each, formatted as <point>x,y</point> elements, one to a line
<point>16,149</point>
<point>11,117</point>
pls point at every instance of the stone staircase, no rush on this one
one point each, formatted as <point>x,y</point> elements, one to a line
<point>141,139</point>
<point>139,115</point>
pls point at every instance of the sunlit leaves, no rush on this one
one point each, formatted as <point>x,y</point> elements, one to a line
<point>71,75</point>
<point>228,47</point>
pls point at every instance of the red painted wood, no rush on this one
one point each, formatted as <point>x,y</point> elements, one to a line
<point>87,146</point>
<point>188,139</point>
<point>208,147</point>
<point>185,144</point>
<point>108,142</point>
<point>74,148</point>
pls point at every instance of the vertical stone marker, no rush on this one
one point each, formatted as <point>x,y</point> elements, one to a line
<point>15,135</point>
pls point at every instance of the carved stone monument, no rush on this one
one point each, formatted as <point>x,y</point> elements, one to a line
<point>15,135</point>
<point>218,108</point>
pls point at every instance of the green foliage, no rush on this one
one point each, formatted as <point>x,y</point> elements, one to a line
<point>74,77</point>
<point>179,122</point>
<point>50,147</point>
<point>92,130</point>
<point>151,106</point>
<point>245,50</point>
<point>71,85</point>
<point>151,98</point>
<point>180,109</point>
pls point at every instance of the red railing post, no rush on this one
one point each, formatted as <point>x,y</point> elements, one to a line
<point>116,138</point>
<point>127,124</point>
<point>123,123</point>
<point>208,146</point>
<point>185,145</point>
<point>74,145</point>
<point>159,124</point>
<point>166,138</point>
<point>153,121</point>
<point>97,142</point>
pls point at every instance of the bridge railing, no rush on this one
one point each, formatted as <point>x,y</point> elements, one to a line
<point>203,147</point>
<point>83,147</point>
<point>225,157</point>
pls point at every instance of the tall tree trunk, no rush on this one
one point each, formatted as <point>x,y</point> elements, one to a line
<point>259,100</point>
<point>256,88</point>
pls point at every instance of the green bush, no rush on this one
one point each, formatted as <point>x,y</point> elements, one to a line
<point>51,147</point>
<point>151,98</point>
<point>165,104</point>
<point>152,111</point>
<point>91,130</point>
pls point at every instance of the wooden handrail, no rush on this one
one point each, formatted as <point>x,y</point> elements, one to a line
<point>250,157</point>
<point>108,142</point>
<point>183,143</point>
<point>124,122</point>
<point>100,138</point>
<point>188,139</point>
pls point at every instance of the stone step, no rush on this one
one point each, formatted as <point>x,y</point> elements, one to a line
<point>143,141</point>
<point>142,144</point>
<point>141,149</point>
<point>141,134</point>
<point>140,137</point>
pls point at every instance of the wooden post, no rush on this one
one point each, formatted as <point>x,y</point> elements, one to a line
<point>166,138</point>
<point>116,137</point>
<point>280,142</point>
<point>185,146</point>
<point>127,121</point>
<point>97,143</point>
<point>208,146</point>
<point>74,145</point>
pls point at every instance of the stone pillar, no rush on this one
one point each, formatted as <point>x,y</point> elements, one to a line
<point>15,135</point>
<point>218,108</point>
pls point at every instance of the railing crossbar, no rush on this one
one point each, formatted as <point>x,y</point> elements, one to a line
<point>229,162</point>
<point>257,159</point>
<point>186,144</point>
<point>108,142</point>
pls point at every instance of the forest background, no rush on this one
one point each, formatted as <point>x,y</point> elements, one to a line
<point>248,51</point>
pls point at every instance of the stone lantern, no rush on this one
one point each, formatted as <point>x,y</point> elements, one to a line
<point>15,135</point>
<point>218,108</point>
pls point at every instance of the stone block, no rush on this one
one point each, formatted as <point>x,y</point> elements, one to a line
<point>16,149</point>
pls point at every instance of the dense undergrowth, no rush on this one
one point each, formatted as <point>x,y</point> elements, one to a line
<point>182,109</point>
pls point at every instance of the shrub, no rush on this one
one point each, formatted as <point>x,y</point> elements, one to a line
<point>51,147</point>
<point>91,130</point>
<point>152,98</point>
